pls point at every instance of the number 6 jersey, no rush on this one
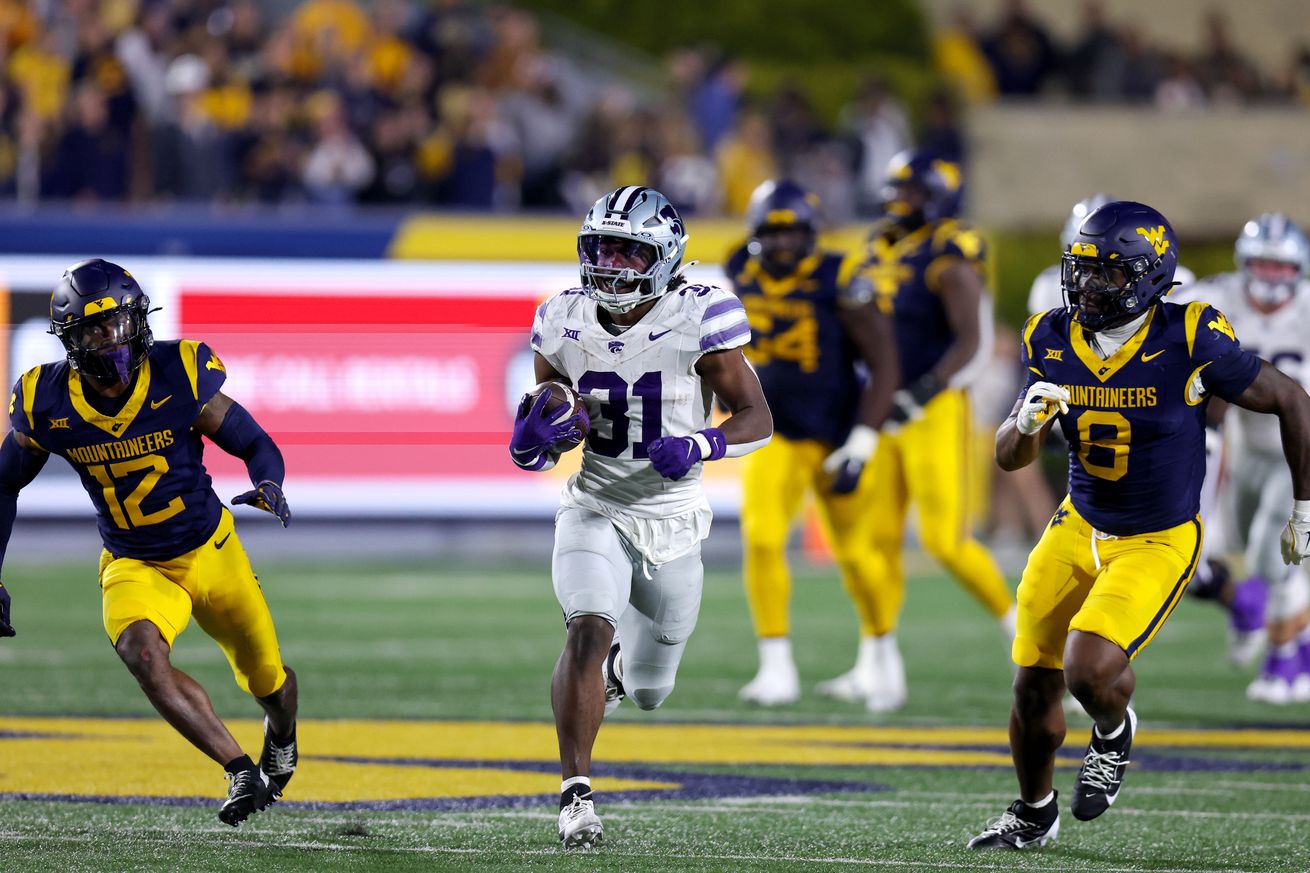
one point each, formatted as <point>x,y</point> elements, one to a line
<point>136,454</point>
<point>1136,420</point>
<point>639,385</point>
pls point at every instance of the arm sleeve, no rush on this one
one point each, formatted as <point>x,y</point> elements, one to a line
<point>723,323</point>
<point>241,436</point>
<point>1227,369</point>
<point>18,467</point>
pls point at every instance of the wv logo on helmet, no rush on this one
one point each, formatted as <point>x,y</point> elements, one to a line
<point>1155,236</point>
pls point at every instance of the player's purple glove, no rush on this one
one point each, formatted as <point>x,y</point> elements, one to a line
<point>672,457</point>
<point>536,434</point>
<point>267,495</point>
<point>6,629</point>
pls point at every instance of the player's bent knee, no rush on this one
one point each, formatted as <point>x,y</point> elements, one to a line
<point>263,680</point>
<point>589,636</point>
<point>940,542</point>
<point>649,698</point>
<point>142,648</point>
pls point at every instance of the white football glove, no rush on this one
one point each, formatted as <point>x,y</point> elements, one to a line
<point>1039,404</point>
<point>844,465</point>
<point>1296,536</point>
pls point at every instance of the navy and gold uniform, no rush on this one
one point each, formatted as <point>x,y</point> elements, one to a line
<point>1115,559</point>
<point>927,461</point>
<point>169,545</point>
<point>807,367</point>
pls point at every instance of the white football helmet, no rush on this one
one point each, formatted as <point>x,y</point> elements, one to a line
<point>1081,210</point>
<point>646,217</point>
<point>1272,237</point>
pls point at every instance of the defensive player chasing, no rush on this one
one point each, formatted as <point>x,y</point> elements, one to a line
<point>809,331</point>
<point>128,413</point>
<point>1267,301</point>
<point>1128,376</point>
<point>927,272</point>
<point>650,350</point>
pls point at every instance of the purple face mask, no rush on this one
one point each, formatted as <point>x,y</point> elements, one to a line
<point>121,359</point>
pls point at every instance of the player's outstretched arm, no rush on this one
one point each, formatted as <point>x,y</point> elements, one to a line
<point>1276,393</point>
<point>235,431</point>
<point>20,460</point>
<point>871,333</point>
<point>750,426</point>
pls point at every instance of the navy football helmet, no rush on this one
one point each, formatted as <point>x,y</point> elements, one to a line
<point>1120,262</point>
<point>777,207</point>
<point>98,311</point>
<point>1273,255</point>
<point>922,187</point>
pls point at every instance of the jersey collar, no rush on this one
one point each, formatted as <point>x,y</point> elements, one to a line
<point>1104,370</point>
<point>115,425</point>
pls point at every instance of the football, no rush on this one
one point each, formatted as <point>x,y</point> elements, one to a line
<point>563,402</point>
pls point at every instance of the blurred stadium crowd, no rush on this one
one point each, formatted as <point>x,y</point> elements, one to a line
<point>461,105</point>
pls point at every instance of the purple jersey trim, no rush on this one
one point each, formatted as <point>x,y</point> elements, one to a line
<point>721,308</point>
<point>740,329</point>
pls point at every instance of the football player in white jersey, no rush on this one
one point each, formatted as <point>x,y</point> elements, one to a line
<point>648,351</point>
<point>1267,300</point>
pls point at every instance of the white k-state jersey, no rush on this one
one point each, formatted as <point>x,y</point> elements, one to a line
<point>1046,292</point>
<point>1281,337</point>
<point>639,385</point>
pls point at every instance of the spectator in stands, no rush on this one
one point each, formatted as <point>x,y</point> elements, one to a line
<point>91,157</point>
<point>686,174</point>
<point>715,98</point>
<point>960,60</point>
<point>943,128</point>
<point>338,166</point>
<point>1227,75</point>
<point>745,159</point>
<point>1092,68</point>
<point>1021,52</point>
<point>875,122</point>
<point>1180,88</point>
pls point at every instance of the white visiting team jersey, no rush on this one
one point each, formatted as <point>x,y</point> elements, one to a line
<point>1280,337</point>
<point>1047,294</point>
<point>639,385</point>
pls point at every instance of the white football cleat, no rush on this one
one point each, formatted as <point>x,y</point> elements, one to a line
<point>1270,689</point>
<point>1301,689</point>
<point>579,826</point>
<point>853,685</point>
<point>1244,647</point>
<point>777,683</point>
<point>889,687</point>
<point>774,685</point>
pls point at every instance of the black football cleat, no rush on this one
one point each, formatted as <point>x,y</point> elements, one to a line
<point>279,758</point>
<point>1020,827</point>
<point>1102,773</point>
<point>248,792</point>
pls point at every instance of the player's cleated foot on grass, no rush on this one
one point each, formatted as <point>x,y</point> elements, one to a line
<point>279,758</point>
<point>248,792</point>
<point>1102,774</point>
<point>579,826</point>
<point>1020,827</point>
<point>853,686</point>
<point>612,670</point>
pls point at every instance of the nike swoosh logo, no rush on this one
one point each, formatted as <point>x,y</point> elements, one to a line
<point>1152,357</point>
<point>654,336</point>
<point>155,404</point>
<point>220,543</point>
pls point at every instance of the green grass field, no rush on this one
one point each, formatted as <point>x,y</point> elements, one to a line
<point>427,743</point>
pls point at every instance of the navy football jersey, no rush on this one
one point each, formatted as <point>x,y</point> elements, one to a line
<point>906,276</point>
<point>142,465</point>
<point>805,361</point>
<point>1136,420</point>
